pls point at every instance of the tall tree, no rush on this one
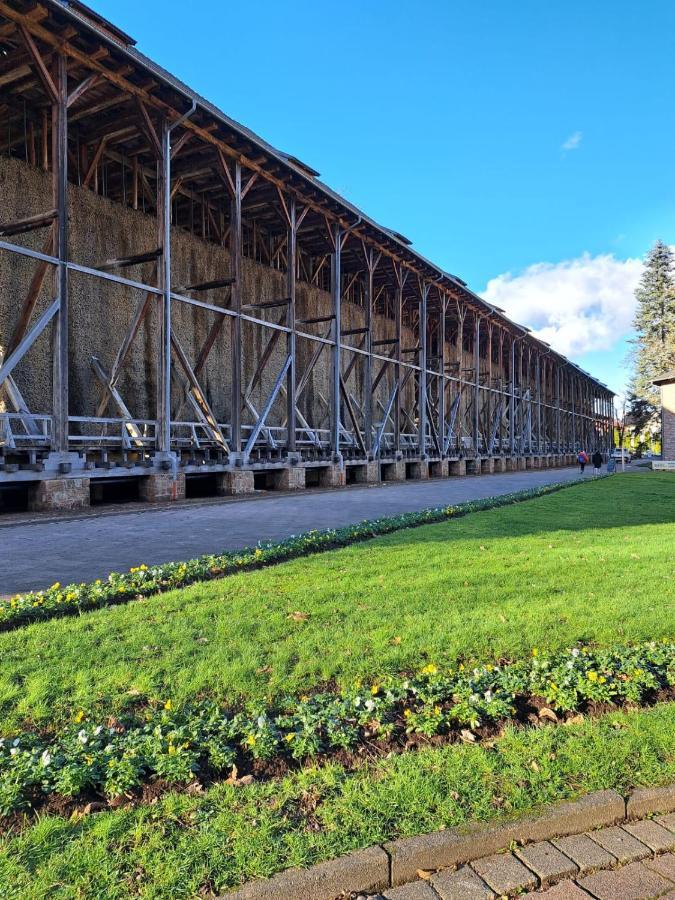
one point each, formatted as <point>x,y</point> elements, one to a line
<point>654,342</point>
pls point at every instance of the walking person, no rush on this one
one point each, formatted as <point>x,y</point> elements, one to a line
<point>597,462</point>
<point>582,459</point>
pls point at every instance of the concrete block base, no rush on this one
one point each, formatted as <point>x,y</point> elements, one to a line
<point>511,463</point>
<point>417,471</point>
<point>487,466</point>
<point>332,476</point>
<point>500,464</point>
<point>394,471</point>
<point>368,473</point>
<point>521,463</point>
<point>474,466</point>
<point>59,494</point>
<point>291,479</point>
<point>162,487</point>
<point>438,469</point>
<point>240,481</point>
<point>529,462</point>
<point>458,467</point>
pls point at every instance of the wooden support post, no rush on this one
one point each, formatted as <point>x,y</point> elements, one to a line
<point>422,382</point>
<point>235,322</point>
<point>336,288</point>
<point>291,377</point>
<point>163,430</point>
<point>476,384</point>
<point>441,378</point>
<point>398,315</point>
<point>60,186</point>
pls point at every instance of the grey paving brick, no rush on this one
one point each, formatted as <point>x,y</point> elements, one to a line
<point>547,862</point>
<point>655,836</point>
<point>416,890</point>
<point>504,873</point>
<point>588,855</point>
<point>635,881</point>
<point>667,821</point>
<point>624,846</point>
<point>564,890</point>
<point>462,884</point>
<point>664,865</point>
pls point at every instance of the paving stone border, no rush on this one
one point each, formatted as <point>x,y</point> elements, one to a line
<point>393,867</point>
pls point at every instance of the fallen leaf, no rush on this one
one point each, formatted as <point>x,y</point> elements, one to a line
<point>467,736</point>
<point>395,640</point>
<point>534,766</point>
<point>424,874</point>
<point>575,720</point>
<point>298,616</point>
<point>546,713</point>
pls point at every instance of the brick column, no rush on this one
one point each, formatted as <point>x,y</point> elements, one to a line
<point>59,494</point>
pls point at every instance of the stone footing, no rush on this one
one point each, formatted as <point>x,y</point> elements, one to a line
<point>291,479</point>
<point>474,466</point>
<point>438,469</point>
<point>458,467</point>
<point>500,464</point>
<point>59,494</point>
<point>332,476</point>
<point>393,471</point>
<point>417,471</point>
<point>367,473</point>
<point>487,466</point>
<point>162,487</point>
<point>239,481</point>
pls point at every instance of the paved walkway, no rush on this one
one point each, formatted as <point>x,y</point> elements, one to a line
<point>35,553</point>
<point>632,862</point>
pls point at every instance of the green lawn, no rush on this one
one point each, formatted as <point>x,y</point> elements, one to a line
<point>588,563</point>
<point>183,845</point>
<point>594,562</point>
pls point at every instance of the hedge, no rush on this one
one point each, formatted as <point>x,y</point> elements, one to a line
<point>145,581</point>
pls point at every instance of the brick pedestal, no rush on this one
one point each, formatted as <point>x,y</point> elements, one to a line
<point>458,467</point>
<point>368,473</point>
<point>529,462</point>
<point>500,464</point>
<point>487,466</point>
<point>521,463</point>
<point>394,471</point>
<point>417,471</point>
<point>59,494</point>
<point>291,479</point>
<point>162,487</point>
<point>511,463</point>
<point>333,476</point>
<point>239,481</point>
<point>474,466</point>
<point>438,469</point>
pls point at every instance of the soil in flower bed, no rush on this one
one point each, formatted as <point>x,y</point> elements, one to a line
<point>530,712</point>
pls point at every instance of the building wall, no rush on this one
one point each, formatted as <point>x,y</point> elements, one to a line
<point>668,420</point>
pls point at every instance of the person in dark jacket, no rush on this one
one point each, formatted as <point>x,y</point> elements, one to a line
<point>596,459</point>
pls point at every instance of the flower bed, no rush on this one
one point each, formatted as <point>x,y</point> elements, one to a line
<point>144,581</point>
<point>115,757</point>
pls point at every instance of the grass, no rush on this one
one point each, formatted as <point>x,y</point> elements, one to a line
<point>183,845</point>
<point>588,563</point>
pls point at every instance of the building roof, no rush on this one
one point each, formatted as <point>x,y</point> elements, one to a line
<point>667,378</point>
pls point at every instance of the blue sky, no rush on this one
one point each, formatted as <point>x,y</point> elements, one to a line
<point>448,122</point>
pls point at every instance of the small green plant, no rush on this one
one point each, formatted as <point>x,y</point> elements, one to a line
<point>178,745</point>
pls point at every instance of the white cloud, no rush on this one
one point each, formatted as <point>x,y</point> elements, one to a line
<point>578,305</point>
<point>573,142</point>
